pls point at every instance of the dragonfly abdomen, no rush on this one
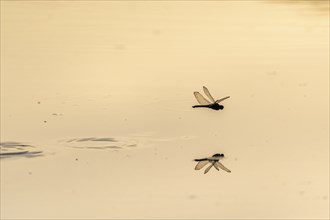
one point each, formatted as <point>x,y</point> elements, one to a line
<point>201,106</point>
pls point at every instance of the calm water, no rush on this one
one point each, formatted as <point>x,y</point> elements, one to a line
<point>96,117</point>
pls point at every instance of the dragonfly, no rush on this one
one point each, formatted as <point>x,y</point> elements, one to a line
<point>214,162</point>
<point>204,103</point>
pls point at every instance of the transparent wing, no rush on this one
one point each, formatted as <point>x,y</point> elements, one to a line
<point>208,168</point>
<point>220,100</point>
<point>208,94</point>
<point>216,167</point>
<point>220,165</point>
<point>200,99</point>
<point>201,164</point>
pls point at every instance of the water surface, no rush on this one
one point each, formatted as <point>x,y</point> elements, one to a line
<point>96,117</point>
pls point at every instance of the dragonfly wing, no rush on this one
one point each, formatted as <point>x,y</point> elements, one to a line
<point>208,168</point>
<point>215,166</point>
<point>200,99</point>
<point>201,164</point>
<point>220,165</point>
<point>220,100</point>
<point>208,94</point>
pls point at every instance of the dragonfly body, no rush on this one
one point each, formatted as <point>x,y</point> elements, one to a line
<point>213,161</point>
<point>204,103</point>
<point>214,106</point>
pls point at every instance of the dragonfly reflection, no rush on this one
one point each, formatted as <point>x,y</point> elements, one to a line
<point>204,103</point>
<point>214,162</point>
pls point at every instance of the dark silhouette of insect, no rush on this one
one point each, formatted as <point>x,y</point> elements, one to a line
<point>204,103</point>
<point>214,161</point>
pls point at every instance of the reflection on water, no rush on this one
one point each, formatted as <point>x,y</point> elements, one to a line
<point>16,149</point>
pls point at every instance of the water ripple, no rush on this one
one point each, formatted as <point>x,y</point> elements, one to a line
<point>17,149</point>
<point>100,143</point>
